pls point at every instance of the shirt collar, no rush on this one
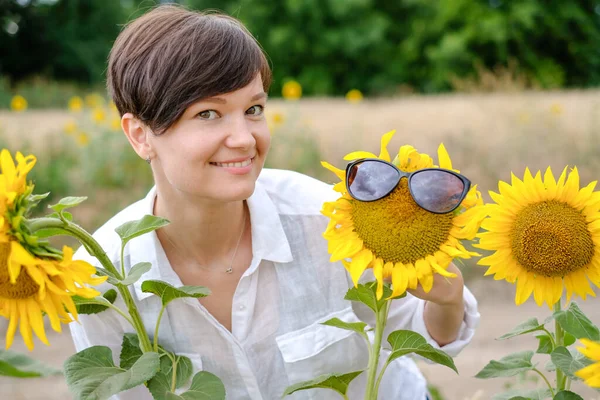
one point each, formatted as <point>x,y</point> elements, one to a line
<point>269,241</point>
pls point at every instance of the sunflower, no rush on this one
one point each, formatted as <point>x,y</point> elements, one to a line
<point>591,373</point>
<point>545,234</point>
<point>393,235</point>
<point>31,284</point>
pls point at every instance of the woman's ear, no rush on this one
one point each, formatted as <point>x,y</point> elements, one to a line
<point>138,135</point>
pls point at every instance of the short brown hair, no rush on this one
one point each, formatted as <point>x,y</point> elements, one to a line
<point>171,57</point>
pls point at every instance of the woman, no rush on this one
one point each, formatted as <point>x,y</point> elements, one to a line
<point>191,89</point>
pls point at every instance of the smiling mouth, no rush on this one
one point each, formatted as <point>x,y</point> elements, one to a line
<point>234,164</point>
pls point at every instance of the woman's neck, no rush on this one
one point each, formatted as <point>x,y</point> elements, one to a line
<point>202,233</point>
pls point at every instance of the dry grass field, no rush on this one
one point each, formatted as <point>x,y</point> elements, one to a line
<point>487,136</point>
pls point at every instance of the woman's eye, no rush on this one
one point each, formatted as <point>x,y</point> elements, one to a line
<point>208,114</point>
<point>255,110</point>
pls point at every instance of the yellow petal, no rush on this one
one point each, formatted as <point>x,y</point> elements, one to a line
<point>24,326</point>
<point>36,320</point>
<point>550,183</point>
<point>433,262</point>
<point>424,274</point>
<point>52,314</point>
<point>359,263</point>
<point>13,319</point>
<point>340,173</point>
<point>571,187</point>
<point>355,155</point>
<point>524,288</point>
<point>385,139</point>
<point>7,164</point>
<point>18,256</point>
<point>346,249</point>
<point>411,273</point>
<point>444,158</point>
<point>399,279</point>
<point>378,273</point>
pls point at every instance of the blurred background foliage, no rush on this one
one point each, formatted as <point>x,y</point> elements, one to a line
<point>329,46</point>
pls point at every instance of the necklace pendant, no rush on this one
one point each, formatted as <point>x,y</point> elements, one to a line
<point>229,270</point>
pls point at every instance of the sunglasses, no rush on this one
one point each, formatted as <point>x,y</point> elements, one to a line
<point>436,190</point>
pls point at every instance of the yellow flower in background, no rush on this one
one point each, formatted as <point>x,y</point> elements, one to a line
<point>591,373</point>
<point>524,118</point>
<point>18,103</point>
<point>115,124</point>
<point>75,104</point>
<point>275,119</point>
<point>112,106</point>
<point>556,109</point>
<point>83,139</point>
<point>291,90</point>
<point>395,236</point>
<point>545,234</point>
<point>94,100</point>
<point>31,285</point>
<point>70,127</point>
<point>354,96</point>
<point>98,115</point>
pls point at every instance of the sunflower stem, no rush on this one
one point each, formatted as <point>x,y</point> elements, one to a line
<point>97,251</point>
<point>551,338</point>
<point>380,321</point>
<point>545,380</point>
<point>560,334</point>
<point>160,314</point>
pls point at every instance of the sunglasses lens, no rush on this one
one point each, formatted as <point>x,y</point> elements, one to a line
<point>371,180</point>
<point>437,191</point>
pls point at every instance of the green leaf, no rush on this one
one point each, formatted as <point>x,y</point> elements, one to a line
<point>205,386</point>
<point>96,304</point>
<point>511,365</point>
<point>338,383</point>
<point>535,394</point>
<point>569,362</point>
<point>567,395</point>
<point>21,366</point>
<point>66,215</point>
<point>367,294</point>
<point>167,292</point>
<point>531,325</point>
<point>544,345</point>
<point>130,350</point>
<point>133,229</point>
<point>160,385</point>
<point>575,322</point>
<point>358,327</point>
<point>67,202</point>
<point>136,273</point>
<point>405,342</point>
<point>568,339</point>
<point>91,373</point>
<point>550,367</point>
<point>36,198</point>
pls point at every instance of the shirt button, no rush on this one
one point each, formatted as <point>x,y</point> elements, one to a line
<point>242,308</point>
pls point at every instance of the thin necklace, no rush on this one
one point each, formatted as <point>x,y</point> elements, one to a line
<point>229,270</point>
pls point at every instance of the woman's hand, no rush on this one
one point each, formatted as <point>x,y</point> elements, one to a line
<point>444,307</point>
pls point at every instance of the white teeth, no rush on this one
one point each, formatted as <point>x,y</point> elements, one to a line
<point>235,164</point>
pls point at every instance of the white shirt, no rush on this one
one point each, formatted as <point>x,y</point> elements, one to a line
<point>289,288</point>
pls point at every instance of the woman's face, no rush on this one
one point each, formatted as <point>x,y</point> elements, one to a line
<point>217,148</point>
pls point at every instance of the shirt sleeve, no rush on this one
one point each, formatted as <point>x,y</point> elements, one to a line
<point>407,313</point>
